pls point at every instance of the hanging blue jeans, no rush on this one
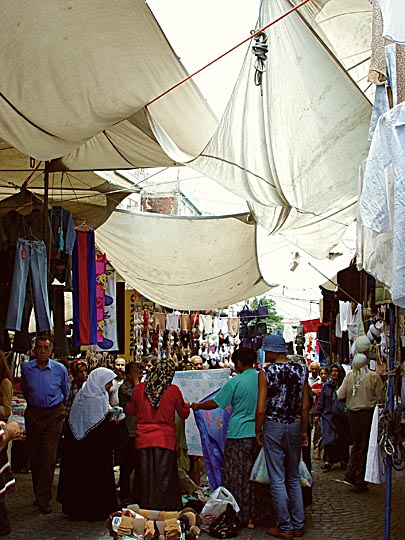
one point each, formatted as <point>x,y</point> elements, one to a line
<point>282,447</point>
<point>30,256</point>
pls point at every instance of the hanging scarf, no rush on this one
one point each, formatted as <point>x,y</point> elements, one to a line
<point>159,379</point>
<point>90,405</point>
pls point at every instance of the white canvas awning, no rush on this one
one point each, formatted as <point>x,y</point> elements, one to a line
<point>84,194</point>
<point>292,147</point>
<point>76,78</point>
<point>79,84</point>
<point>185,262</point>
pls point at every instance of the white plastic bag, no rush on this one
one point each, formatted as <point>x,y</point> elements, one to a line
<point>259,471</point>
<point>305,475</point>
<point>215,505</point>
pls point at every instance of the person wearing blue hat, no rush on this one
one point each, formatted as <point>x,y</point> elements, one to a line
<point>281,427</point>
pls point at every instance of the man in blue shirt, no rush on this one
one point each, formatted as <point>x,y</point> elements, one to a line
<point>45,385</point>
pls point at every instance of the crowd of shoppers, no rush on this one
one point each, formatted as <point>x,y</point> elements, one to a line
<point>137,405</point>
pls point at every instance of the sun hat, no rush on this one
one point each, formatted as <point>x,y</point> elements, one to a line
<point>359,361</point>
<point>274,343</point>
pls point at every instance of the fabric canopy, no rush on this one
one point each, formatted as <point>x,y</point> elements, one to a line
<point>85,194</point>
<point>292,147</point>
<point>76,78</point>
<point>213,265</point>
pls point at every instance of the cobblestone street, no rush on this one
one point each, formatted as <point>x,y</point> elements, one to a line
<point>336,513</point>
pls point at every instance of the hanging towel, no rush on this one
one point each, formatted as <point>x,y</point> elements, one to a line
<point>84,289</point>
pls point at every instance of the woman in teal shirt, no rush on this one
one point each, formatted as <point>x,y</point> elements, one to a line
<point>241,448</point>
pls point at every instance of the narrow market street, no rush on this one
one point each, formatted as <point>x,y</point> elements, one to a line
<point>336,513</point>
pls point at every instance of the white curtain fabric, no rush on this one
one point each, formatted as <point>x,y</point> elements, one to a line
<point>381,204</point>
<point>184,263</point>
<point>76,77</point>
<point>293,152</point>
<point>84,194</point>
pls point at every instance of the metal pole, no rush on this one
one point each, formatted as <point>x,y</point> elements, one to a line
<point>46,197</point>
<point>388,473</point>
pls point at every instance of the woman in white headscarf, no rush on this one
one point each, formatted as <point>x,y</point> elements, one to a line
<point>86,483</point>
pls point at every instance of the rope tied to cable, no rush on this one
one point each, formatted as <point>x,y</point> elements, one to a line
<point>260,50</point>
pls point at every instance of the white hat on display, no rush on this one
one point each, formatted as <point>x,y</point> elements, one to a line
<point>359,361</point>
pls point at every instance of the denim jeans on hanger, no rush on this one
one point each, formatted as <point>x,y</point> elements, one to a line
<point>30,256</point>
<point>22,341</point>
<point>60,342</point>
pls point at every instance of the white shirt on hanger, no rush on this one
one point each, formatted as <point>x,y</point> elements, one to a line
<point>393,13</point>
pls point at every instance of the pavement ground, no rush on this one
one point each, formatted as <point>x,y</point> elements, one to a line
<point>336,513</point>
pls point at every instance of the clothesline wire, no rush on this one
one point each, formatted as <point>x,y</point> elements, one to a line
<point>252,36</point>
<point>300,210</point>
<point>156,174</point>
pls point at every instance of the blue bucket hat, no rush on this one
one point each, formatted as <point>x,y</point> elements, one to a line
<point>274,343</point>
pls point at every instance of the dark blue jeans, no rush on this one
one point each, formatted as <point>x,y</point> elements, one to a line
<point>30,256</point>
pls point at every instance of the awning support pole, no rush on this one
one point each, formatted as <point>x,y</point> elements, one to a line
<point>388,472</point>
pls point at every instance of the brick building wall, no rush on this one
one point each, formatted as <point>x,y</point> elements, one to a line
<point>158,205</point>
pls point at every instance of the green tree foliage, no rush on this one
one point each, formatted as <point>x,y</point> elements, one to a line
<point>273,317</point>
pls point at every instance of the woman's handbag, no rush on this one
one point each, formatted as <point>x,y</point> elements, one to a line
<point>251,329</point>
<point>261,328</point>
<point>243,330</point>
<point>226,525</point>
<point>262,310</point>
<point>246,313</point>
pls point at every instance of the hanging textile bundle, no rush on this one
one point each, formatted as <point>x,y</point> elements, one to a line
<point>260,50</point>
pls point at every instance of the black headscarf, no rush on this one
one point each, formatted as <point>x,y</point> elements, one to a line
<point>341,374</point>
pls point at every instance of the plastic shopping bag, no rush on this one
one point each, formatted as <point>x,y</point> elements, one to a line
<point>216,505</point>
<point>226,525</point>
<point>305,475</point>
<point>259,471</point>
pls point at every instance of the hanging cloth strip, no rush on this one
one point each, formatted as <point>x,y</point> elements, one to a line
<point>110,339</point>
<point>101,281</point>
<point>84,289</point>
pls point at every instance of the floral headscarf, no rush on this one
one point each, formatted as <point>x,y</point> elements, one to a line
<point>160,378</point>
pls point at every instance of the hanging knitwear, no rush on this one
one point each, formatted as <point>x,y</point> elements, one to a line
<point>84,289</point>
<point>101,283</point>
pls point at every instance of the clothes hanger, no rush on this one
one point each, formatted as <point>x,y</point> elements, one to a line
<point>30,235</point>
<point>83,226</point>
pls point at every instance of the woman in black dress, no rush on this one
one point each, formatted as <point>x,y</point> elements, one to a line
<point>86,484</point>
